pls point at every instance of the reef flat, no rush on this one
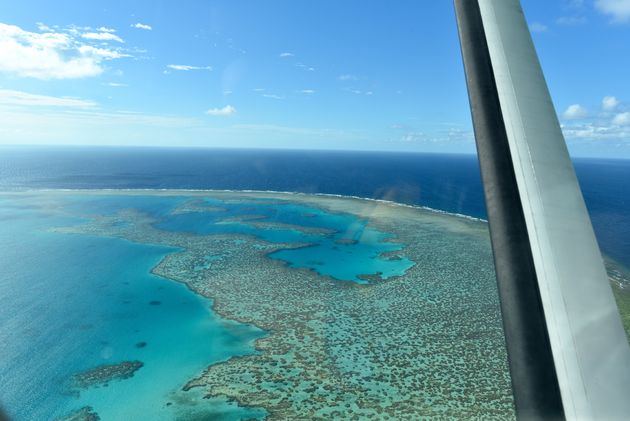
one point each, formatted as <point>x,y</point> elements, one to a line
<point>620,281</point>
<point>102,375</point>
<point>84,414</point>
<point>423,342</point>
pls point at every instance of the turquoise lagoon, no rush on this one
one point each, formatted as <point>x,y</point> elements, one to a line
<point>73,302</point>
<point>342,246</point>
<point>69,303</point>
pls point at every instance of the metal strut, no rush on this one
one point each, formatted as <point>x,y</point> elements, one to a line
<point>568,353</point>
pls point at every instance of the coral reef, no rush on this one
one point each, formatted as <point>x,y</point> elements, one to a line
<point>425,344</point>
<point>103,374</point>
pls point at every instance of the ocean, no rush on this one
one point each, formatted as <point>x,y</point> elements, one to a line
<point>445,182</point>
<point>69,303</point>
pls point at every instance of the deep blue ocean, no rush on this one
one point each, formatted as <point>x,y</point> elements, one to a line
<point>446,182</point>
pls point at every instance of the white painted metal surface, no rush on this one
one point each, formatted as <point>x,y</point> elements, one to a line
<point>589,345</point>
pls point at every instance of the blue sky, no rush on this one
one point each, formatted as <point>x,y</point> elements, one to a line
<point>377,75</point>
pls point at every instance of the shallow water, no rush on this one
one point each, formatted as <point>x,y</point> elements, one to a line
<point>348,250</point>
<point>69,303</point>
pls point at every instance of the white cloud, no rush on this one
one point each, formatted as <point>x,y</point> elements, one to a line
<point>347,77</point>
<point>142,26</point>
<point>116,84</point>
<point>571,20</point>
<point>538,27</point>
<point>81,126</point>
<point>101,53</point>
<point>273,96</point>
<point>575,112</point>
<point>305,67</point>
<point>228,110</point>
<point>622,119</point>
<point>43,27</point>
<point>607,125</point>
<point>23,125</point>
<point>596,131</point>
<point>307,91</point>
<point>609,103</point>
<point>102,36</point>
<point>358,91</point>
<point>450,135</point>
<point>413,137</point>
<point>104,29</point>
<point>186,68</point>
<point>619,10</point>
<point>285,55</point>
<point>19,98</point>
<point>50,55</point>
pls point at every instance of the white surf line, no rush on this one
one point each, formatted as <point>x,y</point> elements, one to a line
<point>341,196</point>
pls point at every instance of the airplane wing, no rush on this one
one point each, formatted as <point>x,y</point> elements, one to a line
<point>569,355</point>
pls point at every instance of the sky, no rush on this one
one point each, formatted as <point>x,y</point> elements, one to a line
<point>353,75</point>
